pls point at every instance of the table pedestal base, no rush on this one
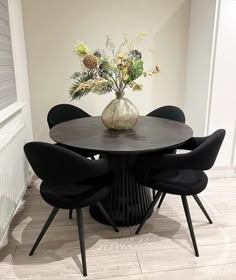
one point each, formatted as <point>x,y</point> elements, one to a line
<point>128,201</point>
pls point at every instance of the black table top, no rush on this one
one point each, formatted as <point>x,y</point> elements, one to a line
<point>149,134</point>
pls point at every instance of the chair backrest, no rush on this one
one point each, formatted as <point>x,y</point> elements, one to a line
<point>168,112</point>
<point>204,156</point>
<point>64,112</point>
<point>57,165</point>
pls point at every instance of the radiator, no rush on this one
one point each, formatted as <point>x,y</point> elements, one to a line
<point>13,174</point>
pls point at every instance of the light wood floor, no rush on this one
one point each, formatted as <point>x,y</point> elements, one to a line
<point>163,250</point>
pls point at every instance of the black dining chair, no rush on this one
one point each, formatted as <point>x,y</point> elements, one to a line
<point>180,174</point>
<point>69,181</point>
<point>169,112</point>
<point>66,112</point>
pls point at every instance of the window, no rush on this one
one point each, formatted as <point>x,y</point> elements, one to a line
<point>7,77</point>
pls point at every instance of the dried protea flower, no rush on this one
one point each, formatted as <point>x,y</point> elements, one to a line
<point>90,61</point>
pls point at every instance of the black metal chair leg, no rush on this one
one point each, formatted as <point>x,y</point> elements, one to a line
<point>190,225</point>
<point>70,213</point>
<point>153,193</point>
<point>81,239</point>
<point>105,214</point>
<point>149,211</point>
<point>44,229</point>
<point>202,208</point>
<point>161,200</point>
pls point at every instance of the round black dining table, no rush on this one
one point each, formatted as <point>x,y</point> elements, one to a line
<point>128,201</point>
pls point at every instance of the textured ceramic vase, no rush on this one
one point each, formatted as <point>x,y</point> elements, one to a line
<point>120,113</point>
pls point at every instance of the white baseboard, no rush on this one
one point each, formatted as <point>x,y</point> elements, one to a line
<point>221,172</point>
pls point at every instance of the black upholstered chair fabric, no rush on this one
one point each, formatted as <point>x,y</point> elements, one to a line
<point>168,112</point>
<point>66,112</point>
<point>69,181</point>
<point>180,174</point>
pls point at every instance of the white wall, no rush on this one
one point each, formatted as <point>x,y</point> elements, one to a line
<point>223,99</point>
<point>52,27</point>
<point>210,83</point>
<point>199,63</point>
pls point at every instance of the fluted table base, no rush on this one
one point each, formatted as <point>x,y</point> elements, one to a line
<point>128,202</point>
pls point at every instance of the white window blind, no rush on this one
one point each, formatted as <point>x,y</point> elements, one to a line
<point>7,77</point>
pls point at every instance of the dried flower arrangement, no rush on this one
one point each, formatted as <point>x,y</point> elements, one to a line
<point>102,73</point>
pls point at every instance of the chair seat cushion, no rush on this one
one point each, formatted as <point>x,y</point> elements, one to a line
<point>72,196</point>
<point>180,182</point>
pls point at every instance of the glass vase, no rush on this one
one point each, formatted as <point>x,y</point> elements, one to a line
<point>120,113</point>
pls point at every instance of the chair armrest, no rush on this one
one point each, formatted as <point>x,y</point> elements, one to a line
<point>146,164</point>
<point>192,143</point>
